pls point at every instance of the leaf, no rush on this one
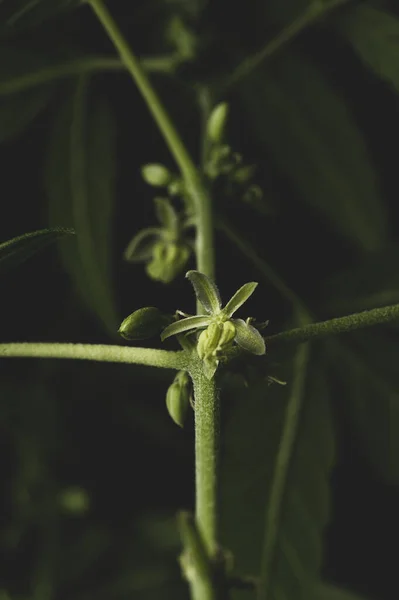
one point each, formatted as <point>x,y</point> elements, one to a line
<point>310,134</point>
<point>366,284</point>
<point>365,370</point>
<point>21,14</point>
<point>205,290</point>
<point>248,337</point>
<point>364,363</point>
<point>79,179</point>
<point>19,109</point>
<point>252,436</point>
<point>185,325</point>
<point>239,298</point>
<point>374,35</point>
<point>18,249</point>
<point>331,592</point>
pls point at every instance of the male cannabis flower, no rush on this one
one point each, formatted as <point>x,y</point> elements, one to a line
<point>219,330</point>
<point>164,249</point>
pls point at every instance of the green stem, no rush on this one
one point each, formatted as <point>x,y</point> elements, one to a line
<point>98,352</point>
<point>206,401</point>
<point>284,455</point>
<point>367,318</point>
<point>207,413</point>
<point>195,561</point>
<point>194,184</point>
<point>315,11</point>
<point>80,66</point>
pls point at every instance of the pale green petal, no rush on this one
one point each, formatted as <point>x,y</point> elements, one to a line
<point>249,338</point>
<point>185,325</point>
<point>239,298</point>
<point>210,366</point>
<point>167,216</point>
<point>206,291</point>
<point>140,247</point>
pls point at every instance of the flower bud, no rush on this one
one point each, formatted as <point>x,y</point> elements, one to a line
<point>178,397</point>
<point>168,260</point>
<point>143,323</point>
<point>208,340</point>
<point>228,335</point>
<point>156,175</point>
<point>217,122</point>
<point>244,174</point>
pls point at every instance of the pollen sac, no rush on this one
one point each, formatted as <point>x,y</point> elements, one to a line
<point>168,260</point>
<point>144,323</point>
<point>178,398</point>
<point>216,338</point>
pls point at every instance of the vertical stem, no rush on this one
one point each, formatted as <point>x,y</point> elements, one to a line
<point>207,413</point>
<point>206,400</point>
<point>194,183</point>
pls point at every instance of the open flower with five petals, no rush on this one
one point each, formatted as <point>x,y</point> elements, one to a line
<point>218,330</point>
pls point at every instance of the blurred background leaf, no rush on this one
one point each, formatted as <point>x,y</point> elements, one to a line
<point>309,132</point>
<point>21,14</point>
<point>80,183</point>
<point>374,35</point>
<point>18,110</point>
<point>365,363</point>
<point>251,439</point>
<point>18,249</point>
<point>329,592</point>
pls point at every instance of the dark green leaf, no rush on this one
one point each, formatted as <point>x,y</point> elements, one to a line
<point>79,176</point>
<point>309,132</point>
<point>365,363</point>
<point>374,34</point>
<point>331,592</point>
<point>252,437</point>
<point>367,284</point>
<point>17,250</point>
<point>19,109</point>
<point>365,369</point>
<point>20,14</point>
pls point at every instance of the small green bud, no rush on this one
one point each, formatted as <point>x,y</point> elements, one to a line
<point>178,398</point>
<point>168,260</point>
<point>156,175</point>
<point>143,323</point>
<point>228,335</point>
<point>244,174</point>
<point>217,122</point>
<point>176,187</point>
<point>208,340</point>
<point>74,500</point>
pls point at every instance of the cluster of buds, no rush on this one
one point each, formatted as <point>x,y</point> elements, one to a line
<point>223,164</point>
<point>165,249</point>
<point>218,331</point>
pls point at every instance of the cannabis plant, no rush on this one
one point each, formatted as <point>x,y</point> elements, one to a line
<point>224,227</point>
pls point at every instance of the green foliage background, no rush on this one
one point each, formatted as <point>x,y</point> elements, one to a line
<point>93,468</point>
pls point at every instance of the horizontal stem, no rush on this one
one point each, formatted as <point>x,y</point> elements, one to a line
<point>79,66</point>
<point>367,318</point>
<point>97,352</point>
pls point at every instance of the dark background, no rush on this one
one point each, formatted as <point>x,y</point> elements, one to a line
<point>104,427</point>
